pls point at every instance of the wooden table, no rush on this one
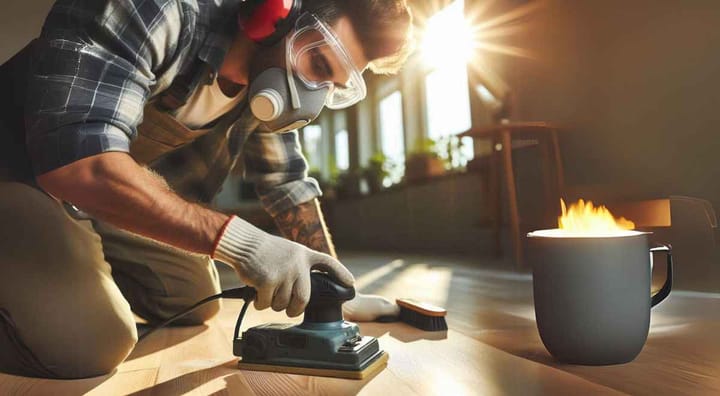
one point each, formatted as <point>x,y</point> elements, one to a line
<point>492,347</point>
<point>501,136</point>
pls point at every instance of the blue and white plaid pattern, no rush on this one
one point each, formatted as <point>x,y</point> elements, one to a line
<point>98,62</point>
<point>275,163</point>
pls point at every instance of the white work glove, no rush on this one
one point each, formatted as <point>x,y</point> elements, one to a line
<point>277,268</point>
<point>368,308</point>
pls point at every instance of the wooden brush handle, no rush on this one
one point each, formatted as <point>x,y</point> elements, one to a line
<point>421,307</point>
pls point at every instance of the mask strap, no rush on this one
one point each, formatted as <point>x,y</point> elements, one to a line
<point>294,97</point>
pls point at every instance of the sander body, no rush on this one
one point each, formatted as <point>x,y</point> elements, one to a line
<point>323,344</point>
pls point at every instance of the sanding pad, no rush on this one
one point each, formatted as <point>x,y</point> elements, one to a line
<point>373,368</point>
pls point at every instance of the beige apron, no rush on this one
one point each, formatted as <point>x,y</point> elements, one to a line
<point>159,134</point>
<point>194,162</point>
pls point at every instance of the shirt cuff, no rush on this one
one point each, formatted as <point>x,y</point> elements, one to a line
<point>70,143</point>
<point>285,196</point>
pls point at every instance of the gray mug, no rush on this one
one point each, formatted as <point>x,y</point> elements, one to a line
<point>592,294</point>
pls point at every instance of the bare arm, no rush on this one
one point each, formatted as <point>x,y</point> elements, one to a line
<point>305,224</point>
<point>112,187</point>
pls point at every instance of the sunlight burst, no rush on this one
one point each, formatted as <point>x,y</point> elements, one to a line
<point>448,38</point>
<point>454,36</point>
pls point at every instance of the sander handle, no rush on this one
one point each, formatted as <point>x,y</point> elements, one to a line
<point>326,299</point>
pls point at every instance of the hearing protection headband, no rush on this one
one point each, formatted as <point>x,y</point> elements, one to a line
<point>267,21</point>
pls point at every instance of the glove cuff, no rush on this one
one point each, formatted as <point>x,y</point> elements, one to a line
<point>237,242</point>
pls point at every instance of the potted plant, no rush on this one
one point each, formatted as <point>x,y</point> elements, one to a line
<point>376,171</point>
<point>348,184</point>
<point>453,152</point>
<point>424,162</point>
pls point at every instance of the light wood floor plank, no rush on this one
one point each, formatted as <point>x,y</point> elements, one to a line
<point>492,347</point>
<point>117,383</point>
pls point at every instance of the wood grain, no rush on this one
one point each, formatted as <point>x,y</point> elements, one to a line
<point>491,348</point>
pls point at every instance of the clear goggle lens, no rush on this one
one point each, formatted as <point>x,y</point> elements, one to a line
<point>319,60</point>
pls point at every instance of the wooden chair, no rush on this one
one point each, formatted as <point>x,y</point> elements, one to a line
<point>503,136</point>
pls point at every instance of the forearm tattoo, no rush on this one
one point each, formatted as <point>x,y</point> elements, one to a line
<point>304,224</point>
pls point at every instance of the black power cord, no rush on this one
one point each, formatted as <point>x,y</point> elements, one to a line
<point>246,293</point>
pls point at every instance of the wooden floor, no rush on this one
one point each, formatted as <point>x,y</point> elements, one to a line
<point>492,347</point>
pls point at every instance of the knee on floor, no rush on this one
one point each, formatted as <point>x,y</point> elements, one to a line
<point>98,349</point>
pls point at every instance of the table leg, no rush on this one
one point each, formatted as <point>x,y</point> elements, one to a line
<point>551,186</point>
<point>512,197</point>
<point>558,162</point>
<point>495,203</point>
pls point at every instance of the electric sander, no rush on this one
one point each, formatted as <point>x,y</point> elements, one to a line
<point>323,344</point>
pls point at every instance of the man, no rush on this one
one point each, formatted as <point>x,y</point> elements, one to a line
<point>187,87</point>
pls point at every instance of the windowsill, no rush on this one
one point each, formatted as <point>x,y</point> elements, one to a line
<point>448,175</point>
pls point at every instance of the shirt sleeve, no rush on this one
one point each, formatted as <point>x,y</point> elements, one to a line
<point>92,70</point>
<point>275,164</point>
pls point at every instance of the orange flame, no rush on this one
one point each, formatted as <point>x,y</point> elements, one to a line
<point>584,217</point>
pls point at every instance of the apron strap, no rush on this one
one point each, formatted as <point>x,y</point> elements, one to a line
<point>182,87</point>
<point>237,131</point>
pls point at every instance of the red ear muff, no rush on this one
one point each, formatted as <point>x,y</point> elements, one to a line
<point>269,20</point>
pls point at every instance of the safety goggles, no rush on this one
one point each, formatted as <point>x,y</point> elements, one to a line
<point>319,60</point>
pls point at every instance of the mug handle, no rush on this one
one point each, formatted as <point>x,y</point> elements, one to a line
<point>662,294</point>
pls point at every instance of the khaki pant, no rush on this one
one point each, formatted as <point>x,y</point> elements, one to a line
<point>68,288</point>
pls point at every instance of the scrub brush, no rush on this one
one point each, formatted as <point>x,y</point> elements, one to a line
<point>422,315</point>
<point>418,314</point>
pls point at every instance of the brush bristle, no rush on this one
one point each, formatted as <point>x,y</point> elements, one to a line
<point>423,322</point>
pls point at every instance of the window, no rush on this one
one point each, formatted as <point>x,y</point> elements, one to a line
<point>448,111</point>
<point>448,101</point>
<point>341,144</point>
<point>342,150</point>
<point>312,148</point>
<point>447,97</point>
<point>392,137</point>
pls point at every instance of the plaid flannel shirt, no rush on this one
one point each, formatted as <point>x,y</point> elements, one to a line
<point>98,62</point>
